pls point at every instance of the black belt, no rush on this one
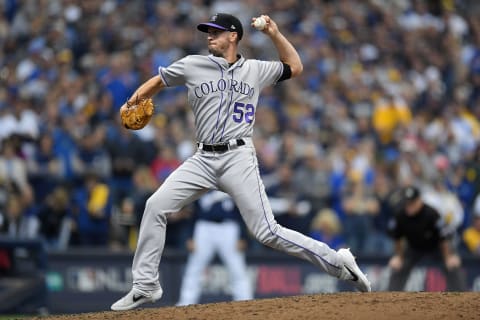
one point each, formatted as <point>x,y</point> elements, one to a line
<point>221,147</point>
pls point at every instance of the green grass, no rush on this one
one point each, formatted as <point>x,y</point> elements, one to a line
<point>13,316</point>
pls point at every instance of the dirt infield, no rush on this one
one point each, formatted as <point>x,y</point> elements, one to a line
<point>355,306</point>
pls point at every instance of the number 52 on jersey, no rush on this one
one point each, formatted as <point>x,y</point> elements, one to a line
<point>243,112</point>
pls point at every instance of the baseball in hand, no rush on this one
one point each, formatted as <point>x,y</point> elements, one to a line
<point>260,23</point>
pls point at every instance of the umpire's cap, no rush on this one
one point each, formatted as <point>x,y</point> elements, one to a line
<point>410,194</point>
<point>223,21</point>
<point>400,197</point>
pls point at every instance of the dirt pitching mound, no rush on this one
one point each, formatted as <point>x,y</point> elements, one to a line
<point>358,306</point>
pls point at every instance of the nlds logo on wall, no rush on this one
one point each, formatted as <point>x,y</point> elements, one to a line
<point>87,279</point>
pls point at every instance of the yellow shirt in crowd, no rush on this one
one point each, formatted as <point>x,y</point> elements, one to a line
<point>471,237</point>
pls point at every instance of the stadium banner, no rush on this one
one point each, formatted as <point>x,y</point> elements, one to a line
<point>91,281</point>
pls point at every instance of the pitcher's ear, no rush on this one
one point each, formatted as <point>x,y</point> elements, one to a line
<point>235,36</point>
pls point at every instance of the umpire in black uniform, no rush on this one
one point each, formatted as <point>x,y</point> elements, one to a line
<point>418,233</point>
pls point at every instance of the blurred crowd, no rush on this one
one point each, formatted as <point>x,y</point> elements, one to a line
<point>389,96</point>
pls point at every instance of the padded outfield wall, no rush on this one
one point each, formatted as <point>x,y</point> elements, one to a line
<point>80,282</point>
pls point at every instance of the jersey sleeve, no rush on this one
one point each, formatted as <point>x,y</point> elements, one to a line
<point>394,228</point>
<point>269,72</point>
<point>174,74</point>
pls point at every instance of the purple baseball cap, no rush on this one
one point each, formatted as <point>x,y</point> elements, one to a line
<point>223,21</point>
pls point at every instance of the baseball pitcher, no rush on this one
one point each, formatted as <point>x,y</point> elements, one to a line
<point>223,91</point>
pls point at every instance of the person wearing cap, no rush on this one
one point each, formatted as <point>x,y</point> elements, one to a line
<point>419,232</point>
<point>223,91</point>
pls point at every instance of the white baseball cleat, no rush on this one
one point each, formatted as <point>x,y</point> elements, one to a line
<point>135,298</point>
<point>351,272</point>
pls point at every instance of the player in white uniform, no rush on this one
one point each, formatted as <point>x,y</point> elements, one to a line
<point>216,231</point>
<point>223,90</point>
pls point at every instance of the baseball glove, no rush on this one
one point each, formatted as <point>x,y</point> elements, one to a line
<point>136,116</point>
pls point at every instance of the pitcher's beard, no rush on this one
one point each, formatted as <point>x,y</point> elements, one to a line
<point>216,53</point>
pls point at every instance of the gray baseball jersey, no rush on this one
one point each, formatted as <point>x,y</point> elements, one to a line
<point>224,100</point>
